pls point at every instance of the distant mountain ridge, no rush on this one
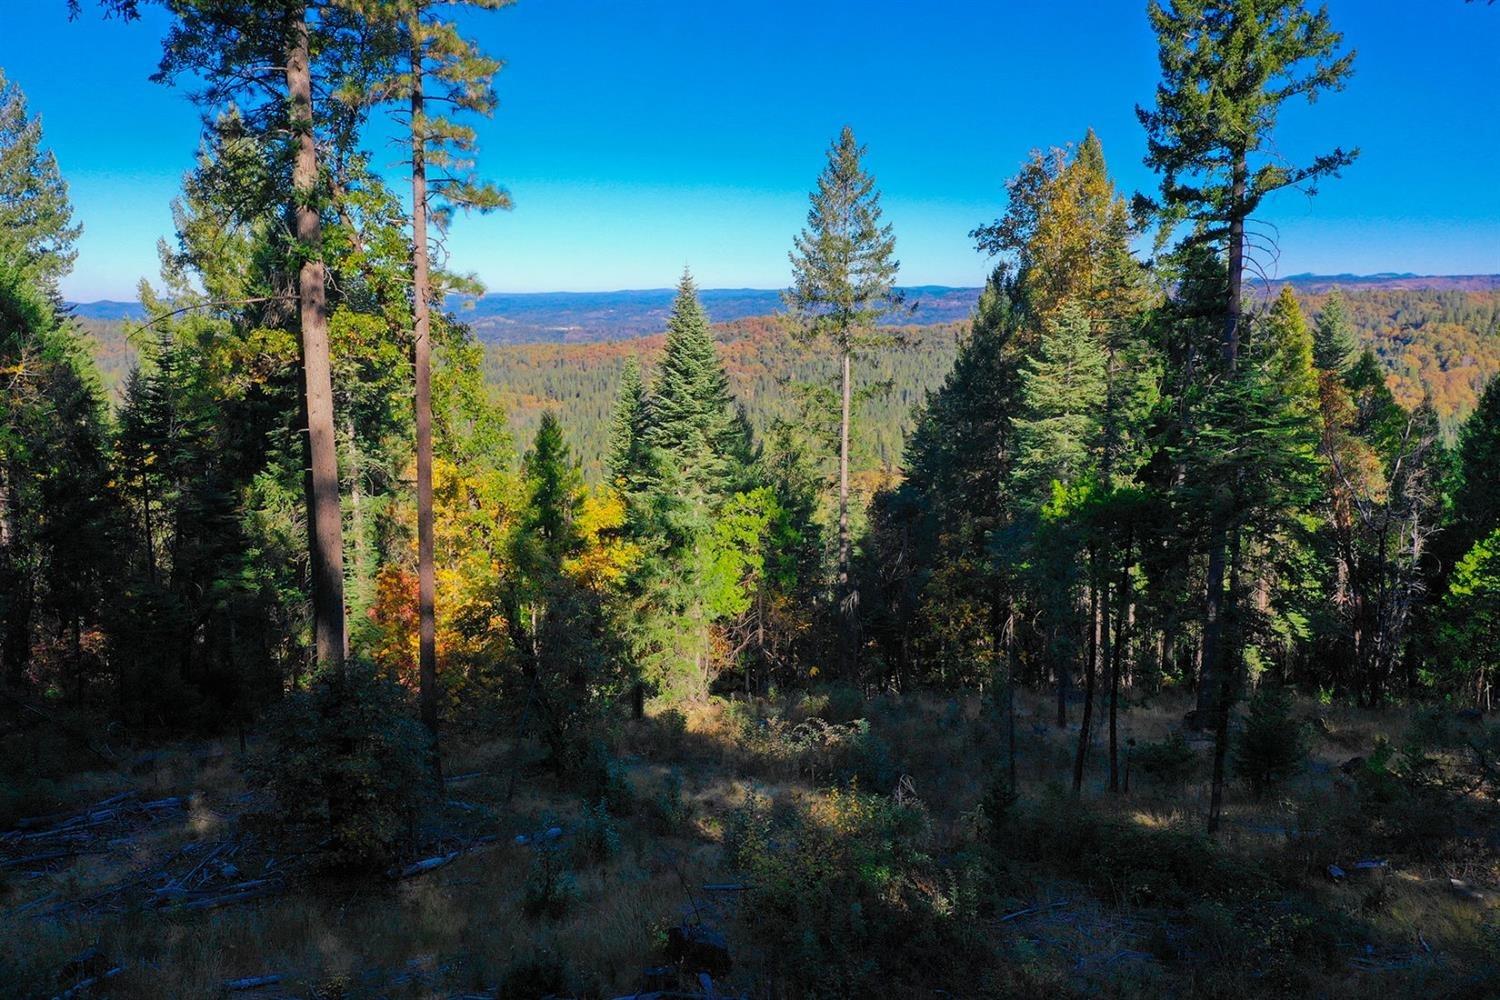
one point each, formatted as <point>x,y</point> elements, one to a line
<point>587,317</point>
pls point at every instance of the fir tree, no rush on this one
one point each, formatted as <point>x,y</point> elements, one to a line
<point>1333,338</point>
<point>844,282</point>
<point>1476,498</point>
<point>1228,67</point>
<point>691,419</point>
<point>626,456</point>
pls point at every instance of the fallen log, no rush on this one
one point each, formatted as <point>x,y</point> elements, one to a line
<point>426,865</point>
<point>251,983</point>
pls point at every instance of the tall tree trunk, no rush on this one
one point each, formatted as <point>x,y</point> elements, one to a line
<point>1228,690</point>
<point>421,294</point>
<point>1122,609</point>
<point>324,522</point>
<point>15,644</point>
<point>1209,680</point>
<point>1088,676</point>
<point>846,613</point>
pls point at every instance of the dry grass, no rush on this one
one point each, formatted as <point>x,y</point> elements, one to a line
<point>462,926</point>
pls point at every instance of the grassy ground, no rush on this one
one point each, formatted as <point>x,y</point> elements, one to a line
<point>1140,913</point>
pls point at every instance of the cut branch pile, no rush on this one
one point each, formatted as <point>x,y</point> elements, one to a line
<point>43,845</point>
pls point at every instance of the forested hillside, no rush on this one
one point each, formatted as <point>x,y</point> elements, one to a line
<point>1442,340</point>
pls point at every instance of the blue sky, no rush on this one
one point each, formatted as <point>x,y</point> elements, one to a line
<point>637,137</point>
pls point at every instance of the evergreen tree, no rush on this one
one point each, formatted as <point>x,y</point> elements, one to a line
<point>691,419</point>
<point>1333,338</point>
<point>625,461</point>
<point>1063,390</point>
<point>433,65</point>
<point>58,529</point>
<point>1476,497</point>
<point>1228,66</point>
<point>37,231</point>
<point>844,282</point>
<point>260,59</point>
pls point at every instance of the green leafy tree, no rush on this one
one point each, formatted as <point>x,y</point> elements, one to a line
<point>843,283</point>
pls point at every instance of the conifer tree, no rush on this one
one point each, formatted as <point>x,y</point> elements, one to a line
<point>1228,67</point>
<point>1476,498</point>
<point>691,417</point>
<point>260,59</point>
<point>843,283</point>
<point>625,460</point>
<point>36,219</point>
<point>1333,338</point>
<point>433,65</point>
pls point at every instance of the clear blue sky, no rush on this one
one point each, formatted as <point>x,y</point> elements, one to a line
<point>638,137</point>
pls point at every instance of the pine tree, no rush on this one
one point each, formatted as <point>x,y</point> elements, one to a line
<point>844,282</point>
<point>1228,66</point>
<point>37,231</point>
<point>433,64</point>
<point>259,58</point>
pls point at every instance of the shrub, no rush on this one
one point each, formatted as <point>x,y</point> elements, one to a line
<point>348,763</point>
<point>596,838</point>
<point>593,771</point>
<point>550,889</point>
<point>842,703</point>
<point>997,805</point>
<point>1122,862</point>
<point>844,900</point>
<point>1170,763</point>
<point>1272,748</point>
<point>665,810</point>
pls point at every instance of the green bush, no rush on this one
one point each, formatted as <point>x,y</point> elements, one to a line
<point>665,810</point>
<point>596,838</point>
<point>1272,747</point>
<point>842,703</point>
<point>550,889</point>
<point>845,901</point>
<point>347,765</point>
<point>1122,862</point>
<point>1170,763</point>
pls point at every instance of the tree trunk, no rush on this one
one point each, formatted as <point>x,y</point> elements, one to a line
<point>422,313</point>
<point>324,522</point>
<point>846,613</point>
<point>1228,690</point>
<point>1088,676</point>
<point>1122,609</point>
<point>1214,610</point>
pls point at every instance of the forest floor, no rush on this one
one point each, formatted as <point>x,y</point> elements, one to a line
<point>152,881</point>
